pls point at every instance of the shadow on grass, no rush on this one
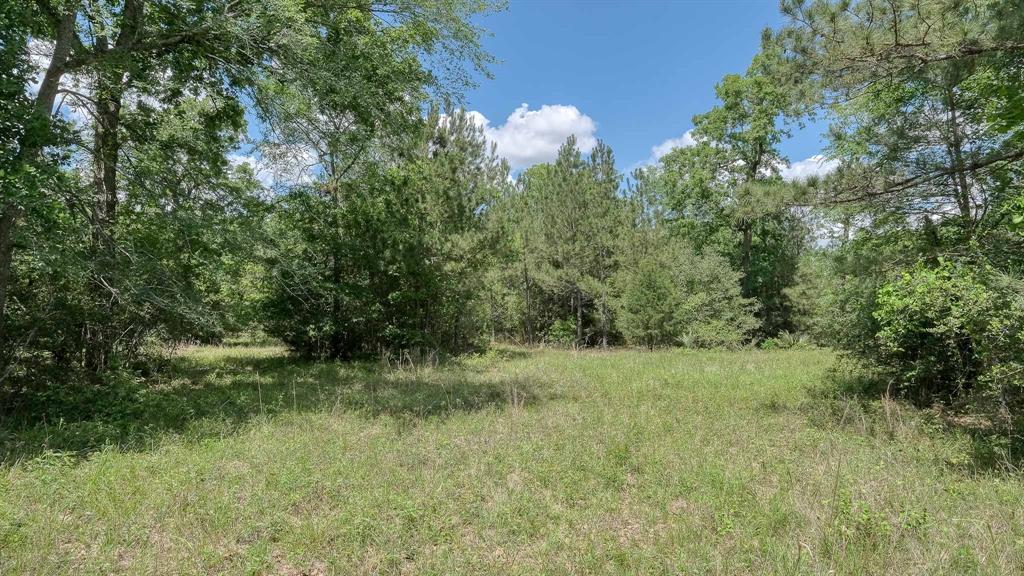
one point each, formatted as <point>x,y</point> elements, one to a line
<point>209,394</point>
<point>965,440</point>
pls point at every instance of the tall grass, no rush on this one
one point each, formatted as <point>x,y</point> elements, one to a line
<point>242,460</point>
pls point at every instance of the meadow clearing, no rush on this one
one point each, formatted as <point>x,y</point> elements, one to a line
<point>763,263</point>
<point>244,461</point>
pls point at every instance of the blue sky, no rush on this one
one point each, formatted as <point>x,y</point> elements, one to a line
<point>638,70</point>
<point>632,73</point>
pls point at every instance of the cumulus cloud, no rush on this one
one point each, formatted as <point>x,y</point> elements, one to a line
<point>530,137</point>
<point>665,147</point>
<point>816,165</point>
<point>671,144</point>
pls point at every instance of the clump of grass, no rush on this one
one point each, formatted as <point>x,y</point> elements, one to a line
<point>242,460</point>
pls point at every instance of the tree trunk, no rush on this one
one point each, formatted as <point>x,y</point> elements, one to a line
<point>579,316</point>
<point>48,88</point>
<point>606,320</point>
<point>747,230</point>
<point>604,325</point>
<point>109,92</point>
<point>106,146</point>
<point>7,222</point>
<point>961,186</point>
<point>747,225</point>
<point>106,149</point>
<point>336,336</point>
<point>528,312</point>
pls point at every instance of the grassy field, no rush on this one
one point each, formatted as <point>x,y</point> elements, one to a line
<point>244,461</point>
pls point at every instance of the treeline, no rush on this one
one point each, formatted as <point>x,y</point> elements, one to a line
<point>443,252</point>
<point>181,172</point>
<point>586,262</point>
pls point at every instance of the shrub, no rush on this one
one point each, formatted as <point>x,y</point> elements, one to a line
<point>562,332</point>
<point>647,307</point>
<point>387,282</point>
<point>786,340</point>
<point>947,330</point>
<point>678,297</point>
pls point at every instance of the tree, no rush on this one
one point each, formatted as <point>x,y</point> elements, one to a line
<point>668,294</point>
<point>927,97</point>
<point>648,305</point>
<point>677,297</point>
<point>563,221</point>
<point>725,191</point>
<point>926,100</point>
<point>393,259</point>
<point>133,211</point>
<point>132,59</point>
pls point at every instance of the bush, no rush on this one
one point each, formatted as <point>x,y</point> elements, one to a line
<point>948,330</point>
<point>387,283</point>
<point>678,297</point>
<point>562,332</point>
<point>786,340</point>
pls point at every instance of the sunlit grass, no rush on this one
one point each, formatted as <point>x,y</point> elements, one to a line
<point>245,461</point>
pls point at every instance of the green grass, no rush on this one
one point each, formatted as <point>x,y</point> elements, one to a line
<point>243,461</point>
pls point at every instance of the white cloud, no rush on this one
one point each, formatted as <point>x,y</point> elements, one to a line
<point>667,146</point>
<point>530,137</point>
<point>816,165</point>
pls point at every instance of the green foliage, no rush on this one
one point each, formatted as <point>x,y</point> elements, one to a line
<point>678,297</point>
<point>392,260</point>
<point>924,283</point>
<point>808,296</point>
<point>156,270</point>
<point>562,332</point>
<point>785,341</point>
<point>124,219</point>
<point>561,225</point>
<point>1015,213</point>
<point>725,193</point>
<point>945,330</point>
<point>647,305</point>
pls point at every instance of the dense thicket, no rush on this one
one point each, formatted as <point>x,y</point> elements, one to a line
<point>392,259</point>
